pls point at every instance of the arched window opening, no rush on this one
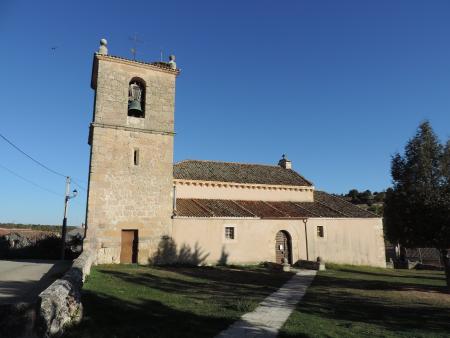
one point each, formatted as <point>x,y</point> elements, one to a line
<point>136,98</point>
<point>283,247</point>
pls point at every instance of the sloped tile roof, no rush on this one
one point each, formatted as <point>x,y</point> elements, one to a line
<point>324,205</point>
<point>291,209</point>
<point>224,208</point>
<point>237,173</point>
<point>261,209</point>
<point>342,206</point>
<point>188,207</point>
<point>320,210</point>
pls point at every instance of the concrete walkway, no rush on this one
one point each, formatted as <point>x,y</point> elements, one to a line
<point>270,315</point>
<point>23,280</point>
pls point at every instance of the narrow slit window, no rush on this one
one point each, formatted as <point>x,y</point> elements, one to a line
<point>229,232</point>
<point>136,157</point>
<point>320,231</point>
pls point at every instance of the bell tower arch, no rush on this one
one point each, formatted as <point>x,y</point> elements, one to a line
<point>136,97</point>
<point>131,161</point>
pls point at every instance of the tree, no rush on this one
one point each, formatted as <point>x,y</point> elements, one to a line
<point>353,194</point>
<point>379,196</point>
<point>417,208</point>
<point>366,197</point>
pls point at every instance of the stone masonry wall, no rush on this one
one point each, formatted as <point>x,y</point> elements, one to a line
<point>123,195</point>
<point>111,102</point>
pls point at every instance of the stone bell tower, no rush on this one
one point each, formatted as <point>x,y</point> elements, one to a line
<point>129,204</point>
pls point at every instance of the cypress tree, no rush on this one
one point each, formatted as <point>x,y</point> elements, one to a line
<point>417,207</point>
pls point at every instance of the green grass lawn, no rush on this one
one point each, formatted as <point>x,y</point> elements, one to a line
<point>344,301</point>
<point>139,301</point>
<point>349,301</point>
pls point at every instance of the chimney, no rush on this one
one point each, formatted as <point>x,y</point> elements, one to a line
<point>285,163</point>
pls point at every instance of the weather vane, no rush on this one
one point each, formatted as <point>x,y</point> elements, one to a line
<point>135,40</point>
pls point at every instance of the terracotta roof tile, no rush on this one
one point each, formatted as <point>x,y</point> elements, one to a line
<point>325,205</point>
<point>223,208</point>
<point>320,210</point>
<point>262,209</point>
<point>291,209</point>
<point>237,173</point>
<point>188,208</point>
<point>342,206</point>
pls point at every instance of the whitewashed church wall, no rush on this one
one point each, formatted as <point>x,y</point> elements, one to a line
<point>243,192</point>
<point>254,239</point>
<point>350,241</point>
<point>357,241</point>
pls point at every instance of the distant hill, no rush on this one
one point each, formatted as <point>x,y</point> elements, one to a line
<point>371,201</point>
<point>37,227</point>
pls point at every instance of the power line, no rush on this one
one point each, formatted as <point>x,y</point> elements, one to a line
<point>29,181</point>
<point>38,162</point>
<point>31,158</point>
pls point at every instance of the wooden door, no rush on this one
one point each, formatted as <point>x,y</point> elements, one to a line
<point>283,248</point>
<point>128,252</point>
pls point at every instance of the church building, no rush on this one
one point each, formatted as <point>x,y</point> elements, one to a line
<point>143,208</point>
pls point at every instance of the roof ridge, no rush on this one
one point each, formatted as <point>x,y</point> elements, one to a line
<point>227,162</point>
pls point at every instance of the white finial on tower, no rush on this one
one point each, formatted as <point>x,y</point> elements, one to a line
<point>172,62</point>
<point>103,49</point>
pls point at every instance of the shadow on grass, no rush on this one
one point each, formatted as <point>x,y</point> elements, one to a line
<point>253,277</point>
<point>331,298</point>
<point>383,284</point>
<point>399,274</point>
<point>107,316</point>
<point>224,284</point>
<point>170,301</point>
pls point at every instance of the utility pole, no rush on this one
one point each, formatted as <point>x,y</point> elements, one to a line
<point>67,197</point>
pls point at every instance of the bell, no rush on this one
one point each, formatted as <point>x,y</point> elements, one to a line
<point>134,108</point>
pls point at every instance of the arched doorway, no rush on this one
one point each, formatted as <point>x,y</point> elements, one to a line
<point>283,247</point>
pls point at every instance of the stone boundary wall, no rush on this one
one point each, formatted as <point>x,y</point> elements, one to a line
<point>60,304</point>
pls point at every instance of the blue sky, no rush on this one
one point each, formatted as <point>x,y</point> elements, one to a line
<point>338,86</point>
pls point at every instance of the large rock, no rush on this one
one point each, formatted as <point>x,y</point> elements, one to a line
<point>60,303</point>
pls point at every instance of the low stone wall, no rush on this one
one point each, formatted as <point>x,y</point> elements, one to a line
<point>60,304</point>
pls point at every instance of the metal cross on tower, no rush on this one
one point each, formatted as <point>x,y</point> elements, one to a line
<point>135,40</point>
